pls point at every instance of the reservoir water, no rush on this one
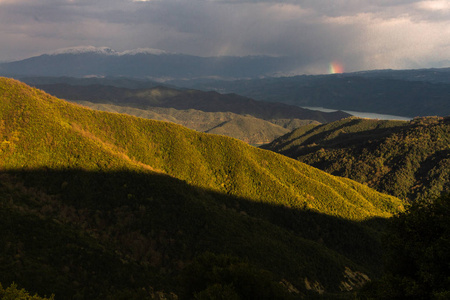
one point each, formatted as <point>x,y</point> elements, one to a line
<point>362,114</point>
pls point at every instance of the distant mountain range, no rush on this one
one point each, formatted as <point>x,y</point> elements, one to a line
<point>143,63</point>
<point>434,75</point>
<point>408,93</point>
<point>98,205</point>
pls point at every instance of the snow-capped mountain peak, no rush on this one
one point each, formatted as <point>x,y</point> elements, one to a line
<point>85,49</point>
<point>105,51</point>
<point>143,51</point>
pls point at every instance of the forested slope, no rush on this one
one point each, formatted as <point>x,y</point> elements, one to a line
<point>410,160</point>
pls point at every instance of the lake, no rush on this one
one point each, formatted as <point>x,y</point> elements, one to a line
<point>361,114</point>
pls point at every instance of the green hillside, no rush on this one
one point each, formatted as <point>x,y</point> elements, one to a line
<point>98,205</point>
<point>410,160</point>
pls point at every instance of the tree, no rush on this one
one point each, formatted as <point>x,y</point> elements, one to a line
<point>418,254</point>
<point>12,292</point>
<point>213,276</point>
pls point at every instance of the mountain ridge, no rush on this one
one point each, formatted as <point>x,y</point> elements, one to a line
<point>143,64</point>
<point>104,50</point>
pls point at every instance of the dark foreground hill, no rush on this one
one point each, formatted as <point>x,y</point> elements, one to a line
<point>100,205</point>
<point>410,160</point>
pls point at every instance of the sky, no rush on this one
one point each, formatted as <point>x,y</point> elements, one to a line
<point>342,35</point>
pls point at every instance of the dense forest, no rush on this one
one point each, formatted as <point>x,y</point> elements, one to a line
<point>417,254</point>
<point>409,160</point>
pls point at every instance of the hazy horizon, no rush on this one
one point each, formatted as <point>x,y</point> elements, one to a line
<point>323,36</point>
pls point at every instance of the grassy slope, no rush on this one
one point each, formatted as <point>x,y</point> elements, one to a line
<point>405,159</point>
<point>103,175</point>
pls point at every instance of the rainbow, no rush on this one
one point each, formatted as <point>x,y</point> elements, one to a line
<point>335,68</point>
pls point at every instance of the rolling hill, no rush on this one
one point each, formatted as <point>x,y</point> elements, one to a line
<point>407,159</point>
<point>109,206</point>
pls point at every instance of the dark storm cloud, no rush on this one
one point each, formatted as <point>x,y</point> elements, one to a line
<point>359,33</point>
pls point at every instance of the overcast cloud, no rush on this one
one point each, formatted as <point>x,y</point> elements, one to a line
<point>359,34</point>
